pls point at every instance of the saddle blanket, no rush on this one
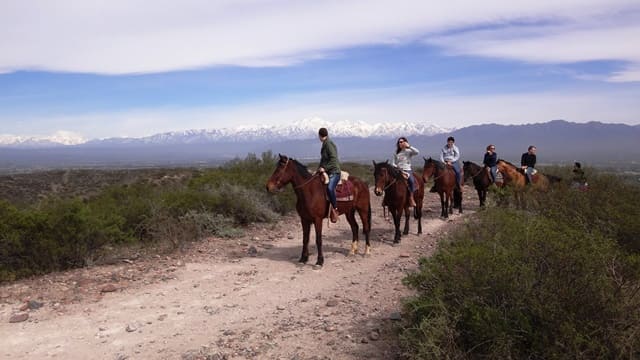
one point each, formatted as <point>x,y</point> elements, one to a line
<point>344,191</point>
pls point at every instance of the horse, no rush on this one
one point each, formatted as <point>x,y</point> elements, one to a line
<point>445,181</point>
<point>514,177</point>
<point>390,181</point>
<point>312,204</point>
<point>481,179</point>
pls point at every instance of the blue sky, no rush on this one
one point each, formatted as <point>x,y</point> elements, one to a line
<point>120,68</point>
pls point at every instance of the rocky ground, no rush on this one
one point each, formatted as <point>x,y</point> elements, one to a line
<point>245,298</point>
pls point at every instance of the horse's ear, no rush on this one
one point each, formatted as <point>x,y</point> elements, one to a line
<point>374,163</point>
<point>386,161</point>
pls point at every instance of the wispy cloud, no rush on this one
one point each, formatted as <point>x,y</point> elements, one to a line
<point>124,37</point>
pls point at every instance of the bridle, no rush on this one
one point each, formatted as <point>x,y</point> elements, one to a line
<point>284,168</point>
<point>388,175</point>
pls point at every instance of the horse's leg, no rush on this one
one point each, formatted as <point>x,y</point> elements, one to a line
<point>458,195</point>
<point>406,221</point>
<point>444,205</point>
<point>306,230</point>
<point>365,217</point>
<point>479,190</point>
<point>418,215</point>
<point>396,213</point>
<point>351,219</point>
<point>318,226</point>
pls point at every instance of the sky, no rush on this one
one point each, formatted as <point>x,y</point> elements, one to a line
<point>99,69</point>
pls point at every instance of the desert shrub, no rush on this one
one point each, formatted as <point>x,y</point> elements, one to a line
<point>610,207</point>
<point>60,233</point>
<point>559,280</point>
<point>210,224</point>
<point>515,285</point>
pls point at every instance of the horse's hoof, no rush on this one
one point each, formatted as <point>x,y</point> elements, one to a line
<point>317,267</point>
<point>396,243</point>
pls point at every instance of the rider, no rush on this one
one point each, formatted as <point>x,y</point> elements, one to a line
<point>450,155</point>
<point>490,161</point>
<point>579,179</point>
<point>402,160</point>
<point>528,163</point>
<point>330,165</point>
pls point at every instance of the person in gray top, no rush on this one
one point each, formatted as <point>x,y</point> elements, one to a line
<point>402,160</point>
<point>450,155</point>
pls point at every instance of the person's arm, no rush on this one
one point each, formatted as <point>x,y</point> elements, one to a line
<point>442,154</point>
<point>486,159</point>
<point>393,160</point>
<point>456,154</point>
<point>523,161</point>
<point>413,151</point>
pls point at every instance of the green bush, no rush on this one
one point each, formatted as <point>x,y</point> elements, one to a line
<point>61,233</point>
<point>559,280</point>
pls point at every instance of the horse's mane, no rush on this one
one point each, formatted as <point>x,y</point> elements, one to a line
<point>395,172</point>
<point>508,163</point>
<point>471,163</point>
<point>301,169</point>
<point>439,164</point>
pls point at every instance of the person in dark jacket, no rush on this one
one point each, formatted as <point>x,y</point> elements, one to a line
<point>330,165</point>
<point>528,163</point>
<point>490,161</point>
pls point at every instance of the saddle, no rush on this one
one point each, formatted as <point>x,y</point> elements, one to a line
<point>344,190</point>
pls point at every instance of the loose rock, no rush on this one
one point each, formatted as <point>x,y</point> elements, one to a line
<point>16,318</point>
<point>108,288</point>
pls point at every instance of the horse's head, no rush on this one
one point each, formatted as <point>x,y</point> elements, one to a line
<point>282,175</point>
<point>382,176</point>
<point>429,168</point>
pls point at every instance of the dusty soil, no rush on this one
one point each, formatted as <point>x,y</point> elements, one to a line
<point>244,298</point>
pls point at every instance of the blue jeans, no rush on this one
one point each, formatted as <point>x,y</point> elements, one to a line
<point>331,188</point>
<point>494,172</point>
<point>412,181</point>
<point>456,169</point>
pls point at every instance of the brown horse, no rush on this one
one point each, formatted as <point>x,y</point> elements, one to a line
<point>515,178</point>
<point>481,179</point>
<point>445,180</point>
<point>390,181</point>
<point>313,205</point>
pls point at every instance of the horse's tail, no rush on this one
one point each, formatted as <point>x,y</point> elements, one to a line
<point>457,198</point>
<point>364,231</point>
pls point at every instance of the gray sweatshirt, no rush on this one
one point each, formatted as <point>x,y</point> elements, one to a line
<point>402,159</point>
<point>450,154</point>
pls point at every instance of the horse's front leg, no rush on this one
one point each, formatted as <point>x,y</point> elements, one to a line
<point>318,226</point>
<point>406,222</point>
<point>444,205</point>
<point>306,230</point>
<point>480,196</point>
<point>396,225</point>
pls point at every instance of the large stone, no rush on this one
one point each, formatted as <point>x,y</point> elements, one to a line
<point>16,318</point>
<point>108,288</point>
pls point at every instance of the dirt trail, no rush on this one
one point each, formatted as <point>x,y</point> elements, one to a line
<point>208,304</point>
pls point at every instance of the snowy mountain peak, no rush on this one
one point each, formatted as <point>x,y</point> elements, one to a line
<point>56,139</point>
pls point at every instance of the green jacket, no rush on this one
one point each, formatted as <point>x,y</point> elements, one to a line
<point>329,157</point>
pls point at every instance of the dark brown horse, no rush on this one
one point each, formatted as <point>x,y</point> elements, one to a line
<point>445,181</point>
<point>390,181</point>
<point>481,179</point>
<point>313,206</point>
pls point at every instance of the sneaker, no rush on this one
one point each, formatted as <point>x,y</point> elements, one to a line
<point>334,215</point>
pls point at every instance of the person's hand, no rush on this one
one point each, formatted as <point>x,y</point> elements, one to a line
<point>321,169</point>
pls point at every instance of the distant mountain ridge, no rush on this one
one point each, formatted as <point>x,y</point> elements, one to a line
<point>305,129</point>
<point>558,141</point>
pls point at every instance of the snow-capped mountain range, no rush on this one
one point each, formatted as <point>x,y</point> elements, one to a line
<point>59,138</point>
<point>305,129</point>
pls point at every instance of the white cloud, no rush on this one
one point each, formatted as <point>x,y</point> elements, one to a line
<point>122,36</point>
